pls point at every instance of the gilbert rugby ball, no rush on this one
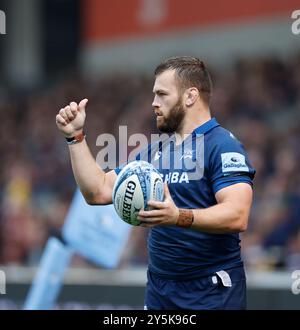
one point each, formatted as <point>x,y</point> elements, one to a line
<point>137,183</point>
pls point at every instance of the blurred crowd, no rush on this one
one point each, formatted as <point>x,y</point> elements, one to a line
<point>257,99</point>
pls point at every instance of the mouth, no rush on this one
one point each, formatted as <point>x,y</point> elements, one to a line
<point>158,113</point>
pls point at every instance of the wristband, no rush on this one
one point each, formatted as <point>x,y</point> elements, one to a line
<point>76,139</point>
<point>185,218</point>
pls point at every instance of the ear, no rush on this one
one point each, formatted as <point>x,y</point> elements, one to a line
<point>191,95</point>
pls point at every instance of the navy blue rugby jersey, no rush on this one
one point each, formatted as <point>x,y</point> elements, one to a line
<point>209,159</point>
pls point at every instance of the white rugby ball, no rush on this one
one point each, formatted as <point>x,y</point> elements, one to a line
<point>137,183</point>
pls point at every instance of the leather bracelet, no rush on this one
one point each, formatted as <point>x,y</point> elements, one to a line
<point>185,218</point>
<point>76,139</point>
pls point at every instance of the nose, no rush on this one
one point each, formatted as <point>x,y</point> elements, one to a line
<point>155,103</point>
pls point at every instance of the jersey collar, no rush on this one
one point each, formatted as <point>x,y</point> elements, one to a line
<point>206,127</point>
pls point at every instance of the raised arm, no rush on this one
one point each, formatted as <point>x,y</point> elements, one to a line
<point>95,185</point>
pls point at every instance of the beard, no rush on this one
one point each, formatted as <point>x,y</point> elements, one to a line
<point>173,122</point>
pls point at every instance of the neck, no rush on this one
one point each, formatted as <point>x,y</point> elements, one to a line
<point>192,120</point>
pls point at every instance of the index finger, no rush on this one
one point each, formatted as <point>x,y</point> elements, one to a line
<point>156,204</point>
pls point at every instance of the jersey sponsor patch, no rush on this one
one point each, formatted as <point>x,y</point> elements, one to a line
<point>233,162</point>
<point>175,177</point>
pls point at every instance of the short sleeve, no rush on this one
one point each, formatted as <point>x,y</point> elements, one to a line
<point>229,163</point>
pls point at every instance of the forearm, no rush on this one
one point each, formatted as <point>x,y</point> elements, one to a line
<point>220,219</point>
<point>229,215</point>
<point>88,175</point>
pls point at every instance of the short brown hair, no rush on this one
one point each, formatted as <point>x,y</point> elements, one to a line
<point>190,72</point>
